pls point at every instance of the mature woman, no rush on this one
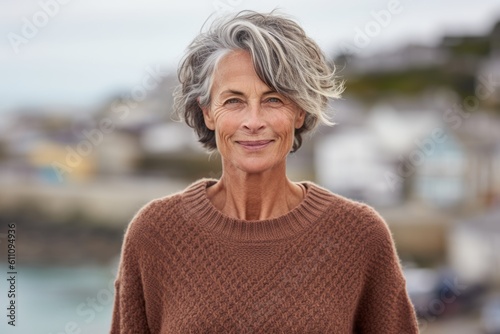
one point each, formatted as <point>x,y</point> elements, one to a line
<point>254,252</point>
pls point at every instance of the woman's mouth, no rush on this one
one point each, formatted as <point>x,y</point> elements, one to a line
<point>254,145</point>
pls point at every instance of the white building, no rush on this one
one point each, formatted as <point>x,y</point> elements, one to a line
<point>474,247</point>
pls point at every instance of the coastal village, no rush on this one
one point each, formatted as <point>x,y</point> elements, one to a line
<point>417,136</point>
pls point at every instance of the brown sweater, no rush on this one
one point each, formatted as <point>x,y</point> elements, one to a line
<point>327,266</point>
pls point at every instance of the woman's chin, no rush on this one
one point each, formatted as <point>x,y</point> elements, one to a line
<point>255,165</point>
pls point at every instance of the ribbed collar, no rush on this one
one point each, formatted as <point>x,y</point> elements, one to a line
<point>198,208</point>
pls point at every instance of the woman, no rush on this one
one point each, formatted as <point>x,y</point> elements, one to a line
<point>254,252</point>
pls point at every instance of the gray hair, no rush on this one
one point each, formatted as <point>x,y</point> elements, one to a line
<point>285,59</point>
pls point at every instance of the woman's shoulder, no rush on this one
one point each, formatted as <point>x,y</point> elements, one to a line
<point>151,216</point>
<point>160,213</point>
<point>358,224</point>
<point>348,212</point>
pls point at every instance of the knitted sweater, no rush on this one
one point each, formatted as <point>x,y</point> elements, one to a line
<point>327,266</point>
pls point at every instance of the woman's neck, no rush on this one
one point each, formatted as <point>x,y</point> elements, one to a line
<point>255,196</point>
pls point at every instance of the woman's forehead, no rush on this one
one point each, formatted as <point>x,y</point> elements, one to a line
<point>236,74</point>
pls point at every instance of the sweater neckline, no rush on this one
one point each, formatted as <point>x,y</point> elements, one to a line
<point>200,210</point>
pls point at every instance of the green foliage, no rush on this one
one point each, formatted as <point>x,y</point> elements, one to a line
<point>3,151</point>
<point>411,82</point>
<point>470,46</point>
<point>458,73</point>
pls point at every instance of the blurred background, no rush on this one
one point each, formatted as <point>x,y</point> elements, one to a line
<point>87,138</point>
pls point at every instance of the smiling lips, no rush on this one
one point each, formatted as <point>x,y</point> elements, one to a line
<point>254,145</point>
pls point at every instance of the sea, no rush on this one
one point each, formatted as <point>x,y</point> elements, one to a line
<point>57,300</point>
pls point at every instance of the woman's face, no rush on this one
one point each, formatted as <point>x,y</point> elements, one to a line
<point>254,125</point>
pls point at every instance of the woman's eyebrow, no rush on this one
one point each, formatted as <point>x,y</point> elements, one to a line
<point>231,92</point>
<point>235,92</point>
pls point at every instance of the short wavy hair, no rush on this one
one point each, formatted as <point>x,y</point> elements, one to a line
<point>285,59</point>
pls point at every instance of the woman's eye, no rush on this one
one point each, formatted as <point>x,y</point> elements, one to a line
<point>274,100</point>
<point>232,101</point>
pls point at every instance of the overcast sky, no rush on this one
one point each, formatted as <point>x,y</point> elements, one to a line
<point>82,52</point>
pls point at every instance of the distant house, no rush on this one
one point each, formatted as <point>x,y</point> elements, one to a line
<point>51,162</point>
<point>171,137</point>
<point>488,81</point>
<point>363,161</point>
<point>350,163</point>
<point>480,136</point>
<point>441,178</point>
<point>392,156</point>
<point>474,247</point>
<point>118,153</point>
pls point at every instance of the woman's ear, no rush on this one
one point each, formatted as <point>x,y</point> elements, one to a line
<point>299,121</point>
<point>207,116</point>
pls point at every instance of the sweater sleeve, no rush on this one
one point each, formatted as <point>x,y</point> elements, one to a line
<point>129,309</point>
<point>384,305</point>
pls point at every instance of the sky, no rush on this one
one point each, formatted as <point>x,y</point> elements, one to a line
<point>79,53</point>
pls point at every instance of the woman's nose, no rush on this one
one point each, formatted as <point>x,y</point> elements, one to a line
<point>253,119</point>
